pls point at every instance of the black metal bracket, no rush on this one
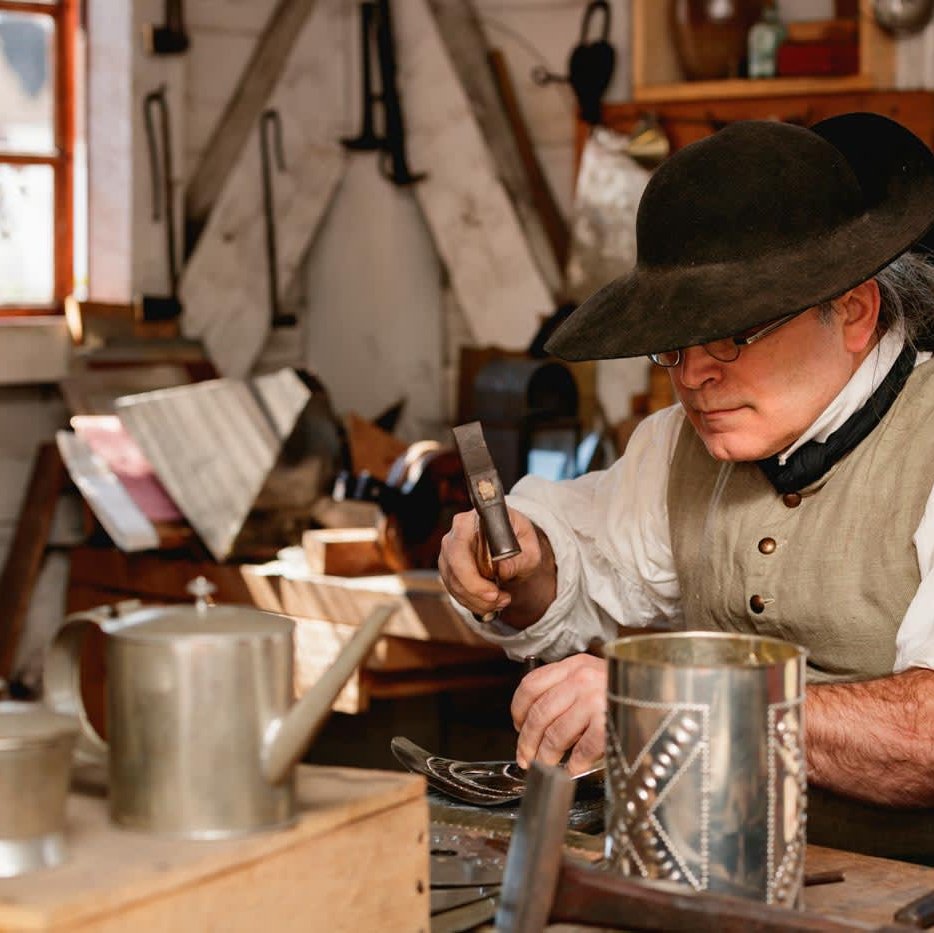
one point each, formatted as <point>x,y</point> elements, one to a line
<point>170,38</point>
<point>376,24</point>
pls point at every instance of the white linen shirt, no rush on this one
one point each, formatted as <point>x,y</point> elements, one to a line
<point>610,535</point>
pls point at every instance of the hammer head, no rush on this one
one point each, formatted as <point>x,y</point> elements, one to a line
<point>531,875</point>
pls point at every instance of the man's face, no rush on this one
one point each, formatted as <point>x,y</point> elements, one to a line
<point>763,401</point>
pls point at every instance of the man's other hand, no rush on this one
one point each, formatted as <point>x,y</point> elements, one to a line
<point>562,706</point>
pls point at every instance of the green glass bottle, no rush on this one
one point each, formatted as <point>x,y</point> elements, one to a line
<point>764,39</point>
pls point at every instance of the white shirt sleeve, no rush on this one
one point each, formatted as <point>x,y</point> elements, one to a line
<point>914,645</point>
<point>609,532</point>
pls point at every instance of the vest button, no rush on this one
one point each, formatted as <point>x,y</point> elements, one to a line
<point>792,499</point>
<point>767,545</point>
<point>757,604</point>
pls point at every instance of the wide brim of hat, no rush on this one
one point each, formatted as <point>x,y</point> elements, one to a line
<point>656,309</point>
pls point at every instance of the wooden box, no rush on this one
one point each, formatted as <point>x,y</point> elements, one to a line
<point>357,859</point>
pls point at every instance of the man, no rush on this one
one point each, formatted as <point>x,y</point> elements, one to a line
<point>791,491</point>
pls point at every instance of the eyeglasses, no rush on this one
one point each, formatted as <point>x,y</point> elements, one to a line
<point>725,350</point>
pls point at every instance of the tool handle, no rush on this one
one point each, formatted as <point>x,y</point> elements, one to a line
<point>596,897</point>
<point>497,530</point>
<point>62,681</point>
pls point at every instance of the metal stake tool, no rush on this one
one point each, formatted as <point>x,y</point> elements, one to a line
<point>159,307</point>
<point>271,119</point>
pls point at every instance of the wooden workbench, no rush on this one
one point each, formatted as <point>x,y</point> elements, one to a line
<point>872,891</point>
<point>357,859</point>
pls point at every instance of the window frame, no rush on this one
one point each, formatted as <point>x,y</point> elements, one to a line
<point>65,15</point>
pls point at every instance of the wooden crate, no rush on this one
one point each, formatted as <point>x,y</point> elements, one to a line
<point>356,860</point>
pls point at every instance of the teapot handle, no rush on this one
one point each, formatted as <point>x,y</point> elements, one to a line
<point>62,681</point>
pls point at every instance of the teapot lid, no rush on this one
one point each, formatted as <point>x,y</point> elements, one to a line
<point>201,620</point>
<point>173,622</point>
<point>27,723</point>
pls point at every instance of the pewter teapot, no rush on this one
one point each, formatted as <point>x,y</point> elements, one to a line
<point>203,734</point>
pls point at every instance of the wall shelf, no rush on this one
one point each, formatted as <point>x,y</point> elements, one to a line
<point>657,74</point>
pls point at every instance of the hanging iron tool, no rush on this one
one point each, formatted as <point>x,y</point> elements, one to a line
<point>162,307</point>
<point>270,120</point>
<point>590,67</point>
<point>376,23</point>
<point>170,38</point>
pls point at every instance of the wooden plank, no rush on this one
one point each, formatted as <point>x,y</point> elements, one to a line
<point>266,64</point>
<point>425,613</point>
<point>357,859</point>
<point>497,116</point>
<point>224,286</point>
<point>24,559</point>
<point>465,204</point>
<point>348,552</point>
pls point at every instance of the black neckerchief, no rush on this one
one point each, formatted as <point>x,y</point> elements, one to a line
<point>813,459</point>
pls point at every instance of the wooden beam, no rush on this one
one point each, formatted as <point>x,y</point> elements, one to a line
<point>467,207</point>
<point>500,119</point>
<point>24,560</point>
<point>224,287</point>
<point>256,83</point>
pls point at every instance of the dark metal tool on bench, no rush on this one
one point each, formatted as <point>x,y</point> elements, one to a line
<point>270,120</point>
<point>162,307</point>
<point>542,885</point>
<point>482,783</point>
<point>497,539</point>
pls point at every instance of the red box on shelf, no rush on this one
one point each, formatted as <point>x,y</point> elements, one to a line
<point>817,58</point>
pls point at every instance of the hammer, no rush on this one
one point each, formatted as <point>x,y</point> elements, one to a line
<point>541,885</point>
<point>497,539</point>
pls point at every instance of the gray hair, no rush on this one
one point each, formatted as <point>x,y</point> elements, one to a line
<point>906,293</point>
<point>906,290</point>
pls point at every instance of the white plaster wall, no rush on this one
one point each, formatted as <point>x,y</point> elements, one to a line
<point>223,34</point>
<point>914,61</point>
<point>373,317</point>
<point>110,162</point>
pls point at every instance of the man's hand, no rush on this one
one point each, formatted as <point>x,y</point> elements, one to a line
<point>562,706</point>
<point>525,584</point>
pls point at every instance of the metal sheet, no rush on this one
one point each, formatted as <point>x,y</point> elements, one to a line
<point>212,445</point>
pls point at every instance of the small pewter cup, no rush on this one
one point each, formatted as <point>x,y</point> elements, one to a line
<point>35,766</point>
<point>706,781</point>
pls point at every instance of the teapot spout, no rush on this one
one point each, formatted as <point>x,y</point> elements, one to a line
<point>292,734</point>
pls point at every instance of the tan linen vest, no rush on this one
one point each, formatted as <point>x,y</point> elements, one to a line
<point>832,568</point>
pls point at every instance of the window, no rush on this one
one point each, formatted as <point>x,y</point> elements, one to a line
<point>37,153</point>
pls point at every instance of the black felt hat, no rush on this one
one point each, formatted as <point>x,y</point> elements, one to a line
<point>759,220</point>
